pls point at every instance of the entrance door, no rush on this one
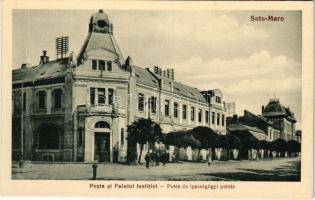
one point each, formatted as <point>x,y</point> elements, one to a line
<point>102,147</point>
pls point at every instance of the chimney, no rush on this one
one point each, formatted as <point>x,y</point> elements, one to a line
<point>156,69</point>
<point>25,65</point>
<point>262,109</point>
<point>172,74</point>
<point>44,58</point>
<point>168,73</point>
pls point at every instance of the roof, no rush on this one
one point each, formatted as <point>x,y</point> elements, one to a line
<point>242,127</point>
<point>100,41</point>
<point>46,70</point>
<point>144,77</point>
<point>257,117</point>
<point>184,90</point>
<point>276,109</point>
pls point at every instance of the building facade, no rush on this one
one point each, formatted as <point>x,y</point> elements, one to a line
<point>281,117</point>
<point>257,125</point>
<point>75,109</point>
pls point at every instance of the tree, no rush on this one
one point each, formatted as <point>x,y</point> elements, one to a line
<point>249,141</point>
<point>232,142</point>
<point>207,138</point>
<point>266,146</point>
<point>280,146</point>
<point>143,131</point>
<point>182,139</point>
<point>294,147</point>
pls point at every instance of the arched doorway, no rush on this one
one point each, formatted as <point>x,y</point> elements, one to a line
<point>102,142</point>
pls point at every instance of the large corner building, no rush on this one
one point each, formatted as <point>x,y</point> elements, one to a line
<point>74,109</point>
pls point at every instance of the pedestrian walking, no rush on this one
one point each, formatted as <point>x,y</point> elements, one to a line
<point>163,159</point>
<point>147,160</point>
<point>209,158</point>
<point>157,158</point>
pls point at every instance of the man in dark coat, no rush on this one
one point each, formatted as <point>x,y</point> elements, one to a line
<point>147,160</point>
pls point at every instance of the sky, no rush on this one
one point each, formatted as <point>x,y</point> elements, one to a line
<point>249,61</point>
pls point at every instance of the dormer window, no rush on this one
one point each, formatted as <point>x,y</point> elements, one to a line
<point>217,99</point>
<point>102,65</point>
<point>109,66</point>
<point>94,64</point>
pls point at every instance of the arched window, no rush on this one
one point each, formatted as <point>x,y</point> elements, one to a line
<point>48,137</point>
<point>102,124</point>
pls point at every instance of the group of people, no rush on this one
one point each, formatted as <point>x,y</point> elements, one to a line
<point>155,157</point>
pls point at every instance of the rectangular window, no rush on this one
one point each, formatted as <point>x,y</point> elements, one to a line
<point>94,64</point>
<point>167,107</point>
<point>207,116</point>
<point>184,111</point>
<point>199,115</point>
<point>109,66</point>
<point>152,102</point>
<point>101,65</point>
<point>218,119</point>
<point>192,114</point>
<point>223,120</point>
<point>141,102</point>
<point>213,117</point>
<point>122,136</point>
<point>101,96</point>
<point>24,101</point>
<point>57,98</point>
<point>218,99</point>
<point>42,100</point>
<point>110,96</point>
<point>175,109</point>
<point>92,96</point>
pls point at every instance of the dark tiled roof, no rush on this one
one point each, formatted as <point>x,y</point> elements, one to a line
<point>144,77</point>
<point>188,91</point>
<point>50,69</point>
<point>184,90</point>
<point>274,108</point>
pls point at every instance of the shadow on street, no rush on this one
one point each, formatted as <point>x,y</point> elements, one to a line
<point>283,173</point>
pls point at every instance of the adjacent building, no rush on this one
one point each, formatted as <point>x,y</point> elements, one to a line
<point>276,121</point>
<point>257,125</point>
<point>75,109</point>
<point>281,117</point>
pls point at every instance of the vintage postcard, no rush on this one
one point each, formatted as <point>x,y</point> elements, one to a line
<point>157,99</point>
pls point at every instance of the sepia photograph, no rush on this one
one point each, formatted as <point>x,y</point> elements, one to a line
<point>156,95</point>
